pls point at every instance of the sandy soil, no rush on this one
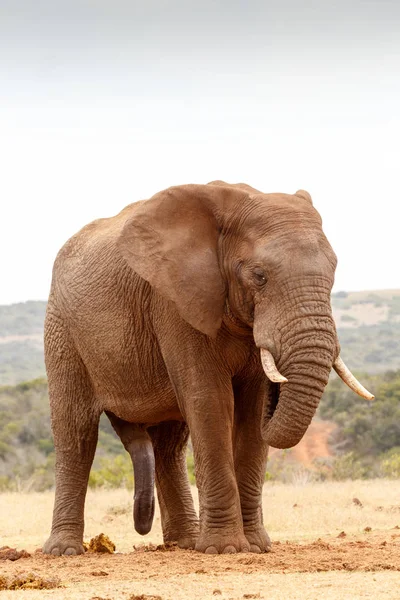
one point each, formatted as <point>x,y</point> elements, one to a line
<point>311,557</point>
<point>182,574</point>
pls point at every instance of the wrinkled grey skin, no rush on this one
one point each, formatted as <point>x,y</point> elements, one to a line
<point>157,316</point>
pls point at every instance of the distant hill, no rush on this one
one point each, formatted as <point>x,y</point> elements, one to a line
<point>369,329</point>
<point>368,326</point>
<point>21,342</point>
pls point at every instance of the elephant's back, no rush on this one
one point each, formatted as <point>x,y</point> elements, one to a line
<point>90,274</point>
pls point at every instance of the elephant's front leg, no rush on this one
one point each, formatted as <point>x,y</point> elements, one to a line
<point>250,452</point>
<point>209,414</point>
<point>203,388</point>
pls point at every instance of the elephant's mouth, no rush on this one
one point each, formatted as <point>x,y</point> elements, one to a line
<point>273,399</point>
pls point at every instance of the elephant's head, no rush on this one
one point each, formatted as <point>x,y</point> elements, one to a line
<point>263,259</point>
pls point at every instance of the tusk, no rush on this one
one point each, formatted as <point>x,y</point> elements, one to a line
<point>269,366</point>
<point>347,376</point>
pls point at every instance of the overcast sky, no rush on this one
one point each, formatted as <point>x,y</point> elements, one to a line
<point>106,102</point>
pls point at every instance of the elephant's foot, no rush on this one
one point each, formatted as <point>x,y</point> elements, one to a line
<point>187,542</point>
<point>185,536</point>
<point>217,543</point>
<point>63,543</point>
<point>258,539</point>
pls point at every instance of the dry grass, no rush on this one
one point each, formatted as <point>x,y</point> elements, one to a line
<point>321,509</point>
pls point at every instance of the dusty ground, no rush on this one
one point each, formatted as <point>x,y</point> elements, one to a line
<point>318,561</point>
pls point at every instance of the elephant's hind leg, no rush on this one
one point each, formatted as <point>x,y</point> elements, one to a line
<point>178,517</point>
<point>75,426</point>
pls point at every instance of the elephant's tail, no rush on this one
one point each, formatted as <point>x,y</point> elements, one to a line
<point>142,454</point>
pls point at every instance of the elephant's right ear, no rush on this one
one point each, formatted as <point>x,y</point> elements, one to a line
<point>305,195</point>
<point>171,241</point>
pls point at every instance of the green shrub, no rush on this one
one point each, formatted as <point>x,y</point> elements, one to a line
<point>113,472</point>
<point>5,483</point>
<point>347,467</point>
<point>390,464</point>
<point>43,475</point>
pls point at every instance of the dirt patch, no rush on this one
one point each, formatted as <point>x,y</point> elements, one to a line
<point>168,547</point>
<point>144,597</point>
<point>157,573</point>
<point>314,445</point>
<point>375,551</point>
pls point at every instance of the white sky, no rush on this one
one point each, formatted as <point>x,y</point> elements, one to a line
<point>103,103</point>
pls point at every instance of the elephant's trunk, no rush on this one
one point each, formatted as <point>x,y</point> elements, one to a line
<point>307,374</point>
<point>305,347</point>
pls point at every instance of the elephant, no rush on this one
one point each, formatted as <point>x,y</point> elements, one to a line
<point>204,310</point>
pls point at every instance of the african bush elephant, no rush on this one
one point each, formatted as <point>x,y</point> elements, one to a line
<point>204,309</point>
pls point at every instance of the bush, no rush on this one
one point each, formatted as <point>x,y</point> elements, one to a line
<point>390,464</point>
<point>43,476</point>
<point>347,467</point>
<point>114,472</point>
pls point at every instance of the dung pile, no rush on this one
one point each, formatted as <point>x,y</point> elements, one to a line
<point>7,553</point>
<point>29,581</point>
<point>100,543</point>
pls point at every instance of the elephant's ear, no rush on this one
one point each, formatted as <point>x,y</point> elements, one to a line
<point>305,195</point>
<point>171,241</point>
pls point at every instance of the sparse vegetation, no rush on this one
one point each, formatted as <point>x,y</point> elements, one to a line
<point>114,472</point>
<point>27,449</point>
<point>390,463</point>
<point>366,442</point>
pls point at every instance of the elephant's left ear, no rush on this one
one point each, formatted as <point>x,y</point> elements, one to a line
<point>305,195</point>
<point>171,241</point>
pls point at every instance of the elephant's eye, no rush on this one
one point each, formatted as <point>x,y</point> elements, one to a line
<point>259,276</point>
